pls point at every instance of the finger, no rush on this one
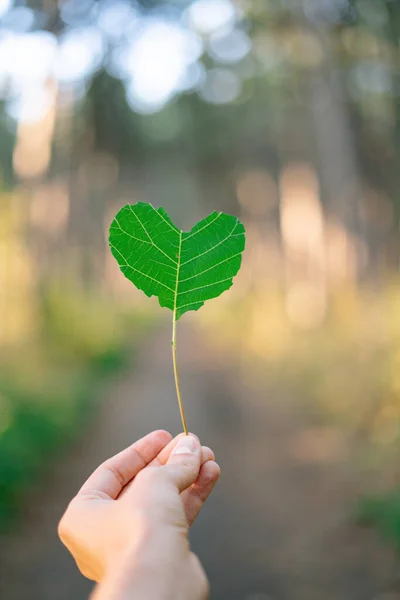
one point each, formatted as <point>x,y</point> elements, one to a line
<point>183,465</point>
<point>194,497</point>
<point>165,453</point>
<point>116,472</point>
<point>163,456</point>
<point>206,454</point>
<point>160,460</point>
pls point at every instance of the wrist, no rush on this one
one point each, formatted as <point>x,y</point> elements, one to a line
<point>133,578</point>
<point>148,566</point>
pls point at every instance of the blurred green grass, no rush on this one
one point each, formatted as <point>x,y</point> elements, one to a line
<point>50,385</point>
<point>382,512</point>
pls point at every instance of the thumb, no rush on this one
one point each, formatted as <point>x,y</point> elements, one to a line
<point>184,463</point>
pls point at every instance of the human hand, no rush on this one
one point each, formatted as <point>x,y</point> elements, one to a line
<point>127,527</point>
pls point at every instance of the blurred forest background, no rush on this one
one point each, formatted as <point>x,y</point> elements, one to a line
<point>284,112</point>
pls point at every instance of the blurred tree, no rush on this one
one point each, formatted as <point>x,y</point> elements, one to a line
<point>319,85</point>
<point>7,141</point>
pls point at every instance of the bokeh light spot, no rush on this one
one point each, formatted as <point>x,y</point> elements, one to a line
<point>207,16</point>
<point>79,54</point>
<point>221,87</point>
<point>156,64</point>
<point>5,5</point>
<point>229,47</point>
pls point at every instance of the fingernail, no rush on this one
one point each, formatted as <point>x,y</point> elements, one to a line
<point>185,445</point>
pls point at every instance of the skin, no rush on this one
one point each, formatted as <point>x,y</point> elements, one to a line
<point>127,528</point>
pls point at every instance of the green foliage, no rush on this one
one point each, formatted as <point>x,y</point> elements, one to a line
<point>80,325</point>
<point>182,269</point>
<point>383,513</point>
<point>35,428</point>
<point>49,388</point>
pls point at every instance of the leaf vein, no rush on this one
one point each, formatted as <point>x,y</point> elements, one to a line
<point>151,241</point>
<point>141,273</point>
<point>213,247</point>
<point>210,268</point>
<point>130,235</point>
<point>201,302</point>
<point>203,228</point>
<point>168,223</point>
<point>206,286</point>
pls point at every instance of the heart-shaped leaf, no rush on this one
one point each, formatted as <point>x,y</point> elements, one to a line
<point>183,269</point>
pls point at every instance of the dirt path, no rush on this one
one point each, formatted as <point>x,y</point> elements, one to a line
<point>276,528</point>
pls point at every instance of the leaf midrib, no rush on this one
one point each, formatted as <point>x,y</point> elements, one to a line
<point>178,272</point>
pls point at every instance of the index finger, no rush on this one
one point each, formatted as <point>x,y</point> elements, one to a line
<point>116,472</point>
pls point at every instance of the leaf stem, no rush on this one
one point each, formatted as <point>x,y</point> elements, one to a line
<point>178,387</point>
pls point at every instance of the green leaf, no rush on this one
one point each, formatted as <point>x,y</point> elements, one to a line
<point>183,269</point>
